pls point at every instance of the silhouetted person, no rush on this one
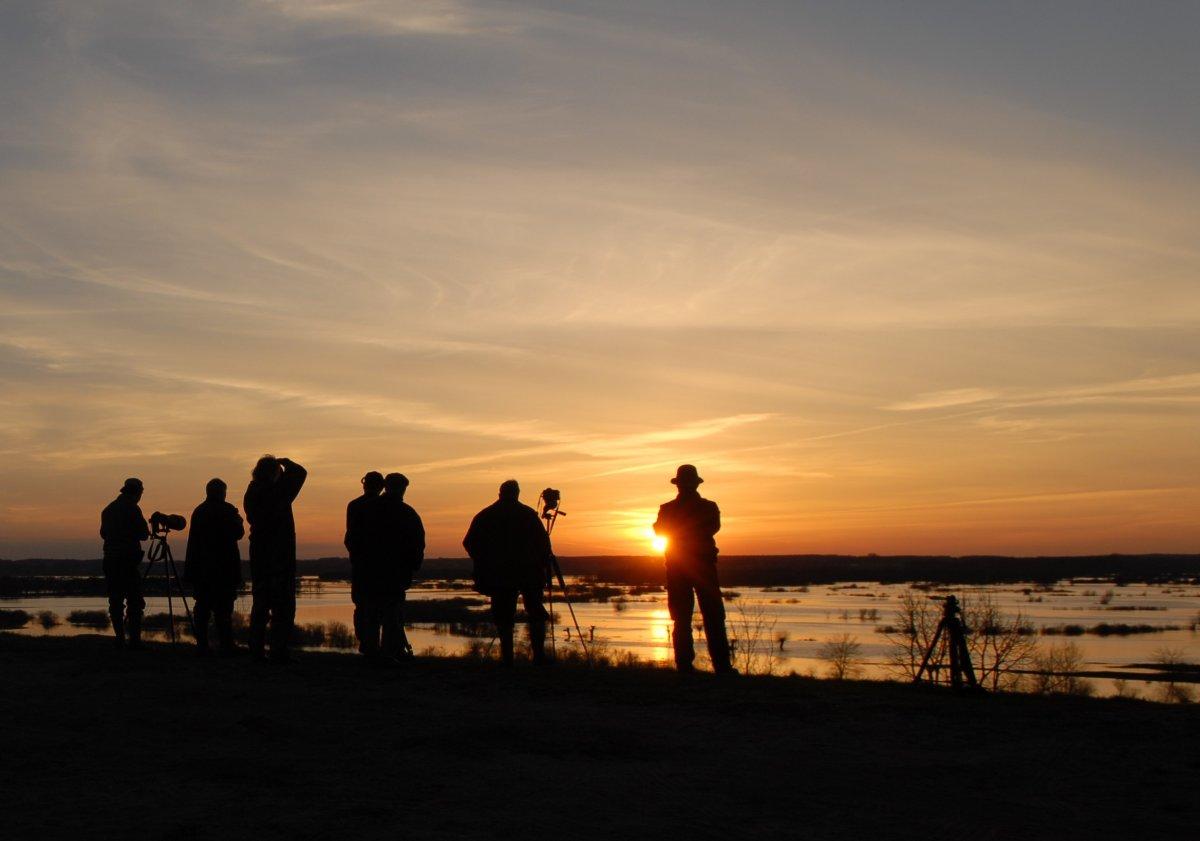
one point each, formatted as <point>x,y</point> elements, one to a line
<point>689,523</point>
<point>368,574</point>
<point>123,529</point>
<point>213,565</point>
<point>274,485</point>
<point>511,554</point>
<point>404,541</point>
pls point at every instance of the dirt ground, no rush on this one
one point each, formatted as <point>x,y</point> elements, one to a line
<point>97,743</point>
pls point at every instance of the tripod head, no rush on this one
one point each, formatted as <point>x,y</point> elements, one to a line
<point>161,523</point>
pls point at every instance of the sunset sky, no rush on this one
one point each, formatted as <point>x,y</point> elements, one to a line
<point>897,277</point>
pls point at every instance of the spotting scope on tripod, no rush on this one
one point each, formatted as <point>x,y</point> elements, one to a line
<point>159,552</point>
<point>549,503</point>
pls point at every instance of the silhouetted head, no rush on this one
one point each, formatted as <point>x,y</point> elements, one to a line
<point>133,489</point>
<point>267,469</point>
<point>510,490</point>
<point>215,490</point>
<point>687,478</point>
<point>372,483</point>
<point>396,483</point>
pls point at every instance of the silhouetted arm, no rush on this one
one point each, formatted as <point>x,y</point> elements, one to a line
<point>141,529</point>
<point>292,479</point>
<point>661,526</point>
<point>714,520</point>
<point>237,528</point>
<point>191,551</point>
<point>418,540</point>
<point>474,542</point>
<point>351,528</point>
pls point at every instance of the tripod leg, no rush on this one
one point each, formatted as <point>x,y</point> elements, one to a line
<point>182,593</point>
<point>933,643</point>
<point>965,660</point>
<point>550,603</point>
<point>955,665</point>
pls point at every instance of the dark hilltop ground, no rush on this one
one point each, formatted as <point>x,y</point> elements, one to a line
<point>98,743</point>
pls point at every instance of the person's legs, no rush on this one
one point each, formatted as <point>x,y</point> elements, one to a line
<point>391,632</point>
<point>504,611</point>
<point>399,645</point>
<point>260,612</point>
<point>135,605</point>
<point>680,604</point>
<point>712,609</point>
<point>201,612</point>
<point>536,616</point>
<point>223,615</point>
<point>116,601</point>
<point>283,612</point>
<point>368,641</point>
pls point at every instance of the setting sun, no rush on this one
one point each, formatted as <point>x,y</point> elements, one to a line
<point>659,543</point>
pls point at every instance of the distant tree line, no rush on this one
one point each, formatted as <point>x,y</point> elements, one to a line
<point>749,570</point>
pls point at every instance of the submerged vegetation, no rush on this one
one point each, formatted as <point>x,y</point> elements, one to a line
<point>13,619</point>
<point>1105,629</point>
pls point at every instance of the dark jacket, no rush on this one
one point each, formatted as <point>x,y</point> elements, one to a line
<point>403,533</point>
<point>364,538</point>
<point>268,507</point>
<point>123,528</point>
<point>213,559</point>
<point>508,547</point>
<point>689,522</point>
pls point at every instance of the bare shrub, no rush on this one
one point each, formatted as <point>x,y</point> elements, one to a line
<point>841,653</point>
<point>310,634</point>
<point>48,619</point>
<point>752,640</point>
<point>1056,671</point>
<point>1125,690</point>
<point>1001,646</point>
<point>916,622</point>
<point>339,635</point>
<point>1171,691</point>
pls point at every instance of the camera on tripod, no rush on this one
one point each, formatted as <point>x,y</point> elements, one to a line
<point>550,500</point>
<point>161,523</point>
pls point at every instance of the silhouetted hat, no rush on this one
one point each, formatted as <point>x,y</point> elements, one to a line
<point>686,475</point>
<point>132,486</point>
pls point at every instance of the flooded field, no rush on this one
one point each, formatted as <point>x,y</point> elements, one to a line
<point>1114,627</point>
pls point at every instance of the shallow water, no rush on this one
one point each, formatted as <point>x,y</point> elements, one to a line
<point>806,617</point>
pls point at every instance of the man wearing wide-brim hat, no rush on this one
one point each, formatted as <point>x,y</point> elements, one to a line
<point>689,523</point>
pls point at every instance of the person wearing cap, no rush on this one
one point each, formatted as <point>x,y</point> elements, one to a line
<point>274,485</point>
<point>213,565</point>
<point>123,528</point>
<point>404,545</point>
<point>689,523</point>
<point>510,552</point>
<point>364,542</point>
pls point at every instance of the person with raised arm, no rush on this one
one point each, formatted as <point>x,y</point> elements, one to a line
<point>275,483</point>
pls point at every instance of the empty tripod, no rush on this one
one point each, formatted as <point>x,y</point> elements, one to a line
<point>953,635</point>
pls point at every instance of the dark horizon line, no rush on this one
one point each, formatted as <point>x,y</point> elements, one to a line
<point>732,556</point>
